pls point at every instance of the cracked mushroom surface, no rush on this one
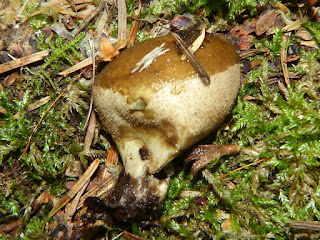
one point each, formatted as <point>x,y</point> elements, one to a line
<point>155,113</point>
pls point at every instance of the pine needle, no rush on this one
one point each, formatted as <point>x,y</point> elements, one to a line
<point>240,168</point>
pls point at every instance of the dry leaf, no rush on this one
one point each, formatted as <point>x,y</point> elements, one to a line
<point>38,103</point>
<point>90,131</point>
<point>8,227</point>
<point>226,225</point>
<point>283,8</point>
<point>3,110</point>
<point>311,2</point>
<point>181,22</point>
<point>266,22</point>
<point>304,34</point>
<point>312,44</point>
<point>240,35</point>
<point>107,50</point>
<point>74,169</point>
<point>292,26</point>
<point>10,79</point>
<point>204,154</point>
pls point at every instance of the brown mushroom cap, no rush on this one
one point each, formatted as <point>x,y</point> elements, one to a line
<point>175,109</point>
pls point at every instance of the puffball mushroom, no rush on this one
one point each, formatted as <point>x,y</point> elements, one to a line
<point>154,114</point>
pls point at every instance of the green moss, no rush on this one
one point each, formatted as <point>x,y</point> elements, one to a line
<point>35,229</point>
<point>314,27</point>
<point>16,127</point>
<point>259,201</point>
<point>240,7</point>
<point>61,52</point>
<point>59,135</point>
<point>178,6</point>
<point>282,127</point>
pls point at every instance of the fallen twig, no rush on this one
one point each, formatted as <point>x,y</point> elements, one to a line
<point>88,19</point>
<point>305,225</point>
<point>20,62</point>
<point>193,60</point>
<point>80,65</point>
<point>122,24</point>
<point>90,123</point>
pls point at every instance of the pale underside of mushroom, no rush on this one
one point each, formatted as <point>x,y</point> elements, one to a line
<point>156,113</point>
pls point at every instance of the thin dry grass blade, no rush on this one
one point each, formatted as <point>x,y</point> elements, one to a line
<point>283,59</point>
<point>76,67</point>
<point>39,103</point>
<point>76,188</point>
<point>73,208</point>
<point>90,131</point>
<point>135,27</point>
<point>240,168</point>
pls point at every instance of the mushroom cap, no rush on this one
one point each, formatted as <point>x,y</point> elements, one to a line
<point>155,114</point>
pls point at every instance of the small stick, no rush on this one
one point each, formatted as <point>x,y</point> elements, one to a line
<point>20,62</point>
<point>253,52</point>
<point>89,18</point>
<point>193,60</point>
<point>305,225</point>
<point>93,58</point>
<point>80,65</point>
<point>122,24</point>
<point>122,21</point>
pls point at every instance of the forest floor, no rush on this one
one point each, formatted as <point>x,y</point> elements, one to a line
<point>52,157</point>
